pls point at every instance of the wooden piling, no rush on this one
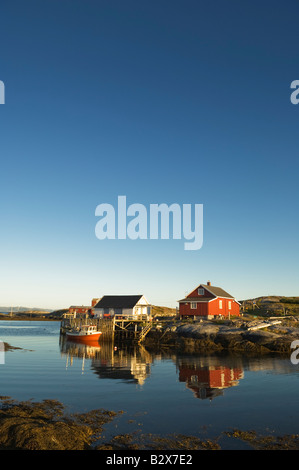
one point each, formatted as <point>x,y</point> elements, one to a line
<point>128,330</point>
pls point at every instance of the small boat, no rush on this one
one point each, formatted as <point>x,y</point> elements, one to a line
<point>84,334</point>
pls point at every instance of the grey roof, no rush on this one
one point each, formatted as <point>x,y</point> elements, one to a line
<point>217,291</point>
<point>118,301</point>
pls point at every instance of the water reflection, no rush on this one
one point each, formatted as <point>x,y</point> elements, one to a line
<point>73,350</point>
<point>207,377</point>
<point>108,361</point>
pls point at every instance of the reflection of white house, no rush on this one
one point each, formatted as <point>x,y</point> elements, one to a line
<point>122,306</point>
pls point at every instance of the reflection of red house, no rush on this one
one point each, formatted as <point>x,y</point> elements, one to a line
<point>208,382</point>
<point>207,301</point>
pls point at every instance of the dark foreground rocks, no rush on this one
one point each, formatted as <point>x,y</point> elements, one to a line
<point>45,426</point>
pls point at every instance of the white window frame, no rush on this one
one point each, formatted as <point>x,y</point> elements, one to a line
<point>192,305</point>
<point>220,304</point>
<point>200,291</point>
<point>229,305</point>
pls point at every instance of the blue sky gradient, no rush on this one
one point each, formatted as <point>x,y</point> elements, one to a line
<point>164,102</point>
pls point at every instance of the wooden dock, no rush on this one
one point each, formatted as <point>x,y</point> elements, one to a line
<point>113,329</point>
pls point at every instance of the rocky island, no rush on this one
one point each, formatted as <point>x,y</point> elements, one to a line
<point>245,335</point>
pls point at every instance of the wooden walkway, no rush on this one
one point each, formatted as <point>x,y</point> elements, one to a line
<point>112,329</point>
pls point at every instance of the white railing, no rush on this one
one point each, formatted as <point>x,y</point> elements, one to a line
<point>135,317</point>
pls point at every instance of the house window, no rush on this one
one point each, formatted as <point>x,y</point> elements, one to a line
<point>220,303</point>
<point>193,305</point>
<point>200,291</point>
<point>229,305</point>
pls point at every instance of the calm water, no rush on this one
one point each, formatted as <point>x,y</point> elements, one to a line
<point>159,393</point>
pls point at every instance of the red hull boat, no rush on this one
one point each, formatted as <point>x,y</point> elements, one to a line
<point>85,334</point>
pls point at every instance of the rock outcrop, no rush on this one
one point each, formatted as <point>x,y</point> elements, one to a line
<point>209,335</point>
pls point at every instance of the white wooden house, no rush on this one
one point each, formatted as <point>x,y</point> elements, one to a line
<point>134,307</point>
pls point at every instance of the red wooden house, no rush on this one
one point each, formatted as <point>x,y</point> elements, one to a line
<point>209,302</point>
<point>80,309</point>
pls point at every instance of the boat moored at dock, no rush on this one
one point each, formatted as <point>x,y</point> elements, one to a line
<point>84,334</point>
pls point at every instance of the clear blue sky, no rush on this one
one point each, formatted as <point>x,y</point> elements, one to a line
<point>161,101</point>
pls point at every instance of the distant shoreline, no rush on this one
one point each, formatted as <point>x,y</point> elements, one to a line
<point>27,317</point>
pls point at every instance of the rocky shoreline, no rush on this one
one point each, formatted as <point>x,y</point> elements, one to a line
<point>217,335</point>
<point>40,426</point>
<point>227,335</point>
